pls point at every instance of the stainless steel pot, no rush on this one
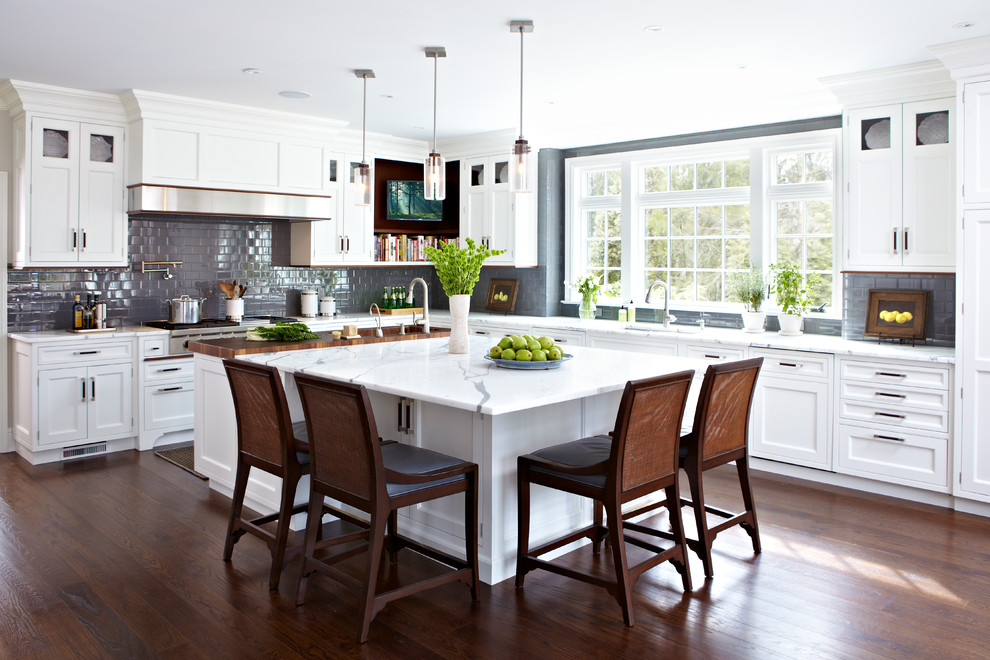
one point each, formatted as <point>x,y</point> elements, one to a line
<point>185,309</point>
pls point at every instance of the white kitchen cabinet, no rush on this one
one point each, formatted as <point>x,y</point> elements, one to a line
<point>166,393</point>
<point>792,408</point>
<point>894,422</point>
<point>72,398</point>
<point>974,347</point>
<point>900,186</point>
<point>976,150</point>
<point>346,239</point>
<point>74,212</point>
<point>622,342</point>
<point>493,216</point>
<point>713,352</point>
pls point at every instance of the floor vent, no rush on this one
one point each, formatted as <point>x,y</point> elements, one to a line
<point>88,450</point>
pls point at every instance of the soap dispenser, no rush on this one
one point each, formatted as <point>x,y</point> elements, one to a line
<point>631,314</point>
<point>623,314</point>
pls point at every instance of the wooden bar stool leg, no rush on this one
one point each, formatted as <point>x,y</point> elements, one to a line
<point>391,539</point>
<point>289,483</point>
<point>623,590</point>
<point>375,548</point>
<point>752,528</point>
<point>704,546</point>
<point>522,549</point>
<point>471,533</point>
<point>236,509</point>
<point>313,524</point>
<point>677,529</point>
<point>596,541</point>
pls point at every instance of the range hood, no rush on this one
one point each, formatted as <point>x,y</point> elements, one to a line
<point>147,199</point>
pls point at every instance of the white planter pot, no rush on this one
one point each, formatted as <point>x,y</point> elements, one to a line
<point>790,324</point>
<point>754,321</point>
<point>460,305</point>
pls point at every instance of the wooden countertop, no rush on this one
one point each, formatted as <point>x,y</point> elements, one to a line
<point>231,348</point>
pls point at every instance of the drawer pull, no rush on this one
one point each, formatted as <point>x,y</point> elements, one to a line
<point>170,389</point>
<point>154,348</point>
<point>713,357</point>
<point>887,437</point>
<point>180,369</point>
<point>893,396</point>
<point>86,353</point>
<point>883,414</point>
<point>789,364</point>
<point>559,341</point>
<point>892,375</point>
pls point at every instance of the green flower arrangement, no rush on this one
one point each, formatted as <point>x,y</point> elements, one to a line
<point>459,268</point>
<point>588,286</point>
<point>793,293</point>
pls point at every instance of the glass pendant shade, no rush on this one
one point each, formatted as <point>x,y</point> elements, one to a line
<point>519,167</point>
<point>363,185</point>
<point>434,177</point>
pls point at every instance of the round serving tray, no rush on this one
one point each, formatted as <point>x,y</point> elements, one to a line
<point>515,364</point>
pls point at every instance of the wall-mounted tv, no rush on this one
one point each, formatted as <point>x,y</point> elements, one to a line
<point>405,201</point>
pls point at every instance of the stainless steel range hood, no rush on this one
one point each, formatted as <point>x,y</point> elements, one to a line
<point>146,199</point>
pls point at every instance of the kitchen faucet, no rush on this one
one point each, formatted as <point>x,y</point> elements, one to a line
<point>667,318</point>
<point>375,309</point>
<point>426,302</point>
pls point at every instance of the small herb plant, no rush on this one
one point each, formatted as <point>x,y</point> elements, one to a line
<point>459,268</point>
<point>283,332</point>
<point>793,292</point>
<point>750,289</point>
<point>588,286</point>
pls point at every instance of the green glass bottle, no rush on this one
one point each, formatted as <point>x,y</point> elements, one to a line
<point>386,299</point>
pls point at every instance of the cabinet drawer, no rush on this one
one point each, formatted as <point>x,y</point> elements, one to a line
<point>85,353</point>
<point>159,370</point>
<point>893,396</point>
<point>168,406</point>
<point>154,347</point>
<point>572,337</point>
<point>887,417</point>
<point>893,456</point>
<point>795,363</point>
<point>714,352</point>
<point>897,374</point>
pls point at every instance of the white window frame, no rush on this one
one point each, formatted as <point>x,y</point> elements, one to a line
<point>631,203</point>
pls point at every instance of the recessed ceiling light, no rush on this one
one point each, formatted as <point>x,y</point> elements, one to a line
<point>252,71</point>
<point>963,25</point>
<point>290,94</point>
<point>653,28</point>
<point>385,97</point>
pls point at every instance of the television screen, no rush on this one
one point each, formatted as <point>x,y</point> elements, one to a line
<point>405,201</point>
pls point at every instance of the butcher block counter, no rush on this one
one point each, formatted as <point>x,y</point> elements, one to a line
<point>232,348</point>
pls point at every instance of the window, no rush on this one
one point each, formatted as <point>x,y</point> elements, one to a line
<point>695,216</point>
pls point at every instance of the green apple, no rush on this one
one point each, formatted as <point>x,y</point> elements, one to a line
<point>539,355</point>
<point>518,342</point>
<point>555,353</point>
<point>496,352</point>
<point>508,354</point>
<point>505,342</point>
<point>545,342</point>
<point>533,345</point>
<point>524,355</point>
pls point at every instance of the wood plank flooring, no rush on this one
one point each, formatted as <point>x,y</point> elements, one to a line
<point>119,557</point>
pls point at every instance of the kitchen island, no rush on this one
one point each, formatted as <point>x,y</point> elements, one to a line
<point>462,405</point>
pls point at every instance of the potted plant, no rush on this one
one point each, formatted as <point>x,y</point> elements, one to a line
<point>459,269</point>
<point>793,295</point>
<point>751,290</point>
<point>588,286</point>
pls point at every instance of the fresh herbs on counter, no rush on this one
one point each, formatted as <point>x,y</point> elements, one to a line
<point>282,332</point>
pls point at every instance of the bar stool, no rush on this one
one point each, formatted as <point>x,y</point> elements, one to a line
<point>720,435</point>
<point>269,441</point>
<point>350,465</point>
<point>638,458</point>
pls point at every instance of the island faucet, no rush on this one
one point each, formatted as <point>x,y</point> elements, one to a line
<point>426,302</point>
<point>374,309</point>
<point>667,318</point>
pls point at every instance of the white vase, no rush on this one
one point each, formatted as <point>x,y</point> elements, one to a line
<point>754,321</point>
<point>460,305</point>
<point>790,324</point>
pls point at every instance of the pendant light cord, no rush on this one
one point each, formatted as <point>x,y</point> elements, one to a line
<point>520,81</point>
<point>435,103</point>
<point>364,120</point>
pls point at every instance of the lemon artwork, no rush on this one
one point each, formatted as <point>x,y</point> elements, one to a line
<point>525,348</point>
<point>894,316</point>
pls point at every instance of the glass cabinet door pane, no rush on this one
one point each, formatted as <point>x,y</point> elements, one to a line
<point>502,172</point>
<point>101,148</point>
<point>56,144</point>
<point>875,133</point>
<point>932,128</point>
<point>478,175</point>
<point>332,170</point>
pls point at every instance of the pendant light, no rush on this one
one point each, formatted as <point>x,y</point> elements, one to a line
<point>362,173</point>
<point>519,160</point>
<point>434,170</point>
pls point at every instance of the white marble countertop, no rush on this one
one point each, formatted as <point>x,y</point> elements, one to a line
<point>692,334</point>
<point>424,369</point>
<point>127,331</point>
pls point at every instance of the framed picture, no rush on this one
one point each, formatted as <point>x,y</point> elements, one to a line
<point>502,295</point>
<point>896,314</point>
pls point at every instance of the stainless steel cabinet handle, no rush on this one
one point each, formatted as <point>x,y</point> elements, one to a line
<point>890,374</point>
<point>74,239</point>
<point>86,353</point>
<point>400,428</point>
<point>887,437</point>
<point>895,240</point>
<point>84,239</point>
<point>92,388</point>
<point>883,414</point>
<point>893,396</point>
<point>83,388</point>
<point>169,389</point>
<point>906,248</point>
<point>788,364</point>
<point>719,357</point>
<point>170,369</point>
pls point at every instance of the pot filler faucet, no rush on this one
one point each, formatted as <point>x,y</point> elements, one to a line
<point>426,302</point>
<point>374,309</point>
<point>667,318</point>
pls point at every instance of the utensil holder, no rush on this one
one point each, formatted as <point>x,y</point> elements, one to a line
<point>235,309</point>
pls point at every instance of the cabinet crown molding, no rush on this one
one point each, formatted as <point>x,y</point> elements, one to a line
<point>910,82</point>
<point>22,97</point>
<point>965,58</point>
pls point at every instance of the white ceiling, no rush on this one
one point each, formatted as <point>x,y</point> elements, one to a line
<point>592,73</point>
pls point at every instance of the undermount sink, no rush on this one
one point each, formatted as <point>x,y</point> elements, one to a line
<point>657,327</point>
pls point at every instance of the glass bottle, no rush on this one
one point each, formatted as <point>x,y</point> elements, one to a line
<point>386,298</point>
<point>88,312</point>
<point>77,314</point>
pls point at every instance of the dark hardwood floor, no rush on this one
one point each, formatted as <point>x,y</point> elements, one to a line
<point>119,557</point>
